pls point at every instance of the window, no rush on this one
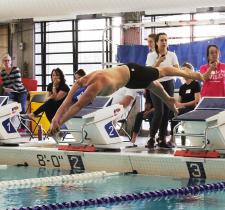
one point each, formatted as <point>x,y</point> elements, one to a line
<point>59,37</point>
<point>59,26</point>
<point>59,47</point>
<point>116,37</point>
<point>202,32</point>
<point>176,34</point>
<point>53,45</point>
<point>69,45</point>
<point>182,33</point>
<point>89,41</point>
<point>90,24</point>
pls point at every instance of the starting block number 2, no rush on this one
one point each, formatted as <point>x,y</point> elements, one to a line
<point>8,126</point>
<point>111,131</point>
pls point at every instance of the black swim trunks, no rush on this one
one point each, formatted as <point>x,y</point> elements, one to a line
<point>141,76</point>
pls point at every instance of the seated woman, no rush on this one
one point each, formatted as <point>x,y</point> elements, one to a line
<point>57,92</point>
<point>146,114</point>
<point>189,96</point>
<point>12,83</point>
<point>77,75</point>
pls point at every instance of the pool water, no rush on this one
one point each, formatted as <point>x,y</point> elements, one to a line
<point>105,186</point>
<point>17,173</point>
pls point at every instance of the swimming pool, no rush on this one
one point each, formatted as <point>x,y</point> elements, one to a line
<point>105,186</point>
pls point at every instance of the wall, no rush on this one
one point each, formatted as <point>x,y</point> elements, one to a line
<point>131,35</point>
<point>23,54</point>
<point>11,35</point>
<point>3,40</point>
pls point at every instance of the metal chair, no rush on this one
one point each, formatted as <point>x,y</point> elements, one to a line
<point>38,98</point>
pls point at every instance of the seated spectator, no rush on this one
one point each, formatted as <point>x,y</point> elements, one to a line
<point>189,96</point>
<point>147,114</point>
<point>214,85</point>
<point>12,83</point>
<point>57,92</point>
<point>77,75</point>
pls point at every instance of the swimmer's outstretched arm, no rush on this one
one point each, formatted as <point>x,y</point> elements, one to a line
<point>55,124</point>
<point>67,110</point>
<point>87,97</point>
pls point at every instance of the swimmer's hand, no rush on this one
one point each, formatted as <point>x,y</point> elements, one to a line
<point>54,130</point>
<point>176,112</point>
<point>54,127</point>
<point>57,136</point>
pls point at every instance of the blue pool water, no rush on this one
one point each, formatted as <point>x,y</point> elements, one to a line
<point>106,186</point>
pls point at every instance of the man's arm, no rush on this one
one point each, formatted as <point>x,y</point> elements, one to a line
<point>88,96</point>
<point>66,103</point>
<point>55,124</point>
<point>66,111</point>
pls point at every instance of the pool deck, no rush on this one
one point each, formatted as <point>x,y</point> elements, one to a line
<point>150,162</point>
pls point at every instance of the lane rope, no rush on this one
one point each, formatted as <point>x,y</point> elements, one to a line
<point>115,199</point>
<point>53,180</point>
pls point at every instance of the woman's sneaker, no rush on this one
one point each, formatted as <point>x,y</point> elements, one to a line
<point>163,144</point>
<point>150,143</point>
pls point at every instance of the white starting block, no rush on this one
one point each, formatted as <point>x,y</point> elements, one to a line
<point>8,131</point>
<point>94,123</point>
<point>204,127</point>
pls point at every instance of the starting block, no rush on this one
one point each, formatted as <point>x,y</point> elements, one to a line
<point>204,127</point>
<point>94,125</point>
<point>8,130</point>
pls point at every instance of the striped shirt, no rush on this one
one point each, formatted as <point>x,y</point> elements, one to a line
<point>13,80</point>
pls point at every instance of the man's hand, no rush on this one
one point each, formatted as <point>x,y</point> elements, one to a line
<point>54,127</point>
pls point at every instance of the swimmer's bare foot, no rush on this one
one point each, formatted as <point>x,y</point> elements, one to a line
<point>193,74</point>
<point>171,104</point>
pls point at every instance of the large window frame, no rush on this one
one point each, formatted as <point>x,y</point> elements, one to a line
<point>193,34</point>
<point>78,60</point>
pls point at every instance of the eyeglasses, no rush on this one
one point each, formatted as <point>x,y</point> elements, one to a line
<point>7,60</point>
